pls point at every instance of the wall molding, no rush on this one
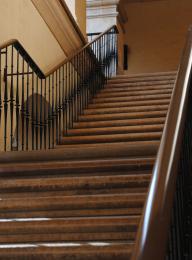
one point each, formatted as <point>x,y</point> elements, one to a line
<point>61,23</point>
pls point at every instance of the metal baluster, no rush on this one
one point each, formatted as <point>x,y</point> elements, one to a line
<point>11,100</point>
<point>59,107</point>
<point>22,106</point>
<point>63,98</point>
<point>76,87</point>
<point>33,114</point>
<point>66,97</point>
<point>5,101</point>
<point>17,105</point>
<point>41,115</point>
<point>53,112</point>
<point>72,92</point>
<point>37,117</point>
<point>49,114</point>
<point>27,110</point>
<point>56,108</point>
<point>45,114</point>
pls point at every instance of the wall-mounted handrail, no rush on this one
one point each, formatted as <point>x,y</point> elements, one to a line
<point>46,105</point>
<point>152,237</point>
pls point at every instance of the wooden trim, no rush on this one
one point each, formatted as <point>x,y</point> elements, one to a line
<point>61,23</point>
<point>64,5</point>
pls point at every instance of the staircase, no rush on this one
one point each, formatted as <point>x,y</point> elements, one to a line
<point>84,199</point>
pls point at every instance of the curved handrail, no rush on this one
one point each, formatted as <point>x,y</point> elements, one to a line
<point>154,226</point>
<point>33,64</point>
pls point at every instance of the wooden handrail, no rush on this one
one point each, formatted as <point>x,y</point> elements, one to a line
<point>151,242</point>
<point>35,67</point>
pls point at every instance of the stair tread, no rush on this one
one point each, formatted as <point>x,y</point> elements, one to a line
<point>133,98</point>
<point>92,111</point>
<point>121,122</point>
<point>128,89</point>
<point>115,129</point>
<point>111,138</point>
<point>130,103</point>
<point>118,116</point>
<point>59,251</point>
<point>132,93</point>
<point>134,83</point>
<point>102,201</point>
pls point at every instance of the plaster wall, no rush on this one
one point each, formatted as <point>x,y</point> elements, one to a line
<point>155,34</point>
<point>20,20</point>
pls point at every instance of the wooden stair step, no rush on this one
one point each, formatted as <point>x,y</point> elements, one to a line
<point>133,98</point>
<point>130,211</point>
<point>112,138</point>
<point>72,166</point>
<point>124,88</point>
<point>122,122</point>
<point>94,111</point>
<point>119,116</point>
<point>94,251</point>
<point>130,103</point>
<point>93,151</point>
<point>119,82</point>
<point>41,229</point>
<point>80,202</point>
<point>132,93</point>
<point>69,237</point>
<point>75,184</point>
<point>115,130</point>
<point>145,76</point>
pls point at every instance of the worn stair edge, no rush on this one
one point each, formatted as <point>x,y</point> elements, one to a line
<point>127,89</point>
<point>59,251</point>
<point>109,150</point>
<point>68,183</point>
<point>111,138</point>
<point>115,110</point>
<point>134,98</point>
<point>132,93</point>
<point>118,116</point>
<point>130,103</point>
<point>145,75</point>
<point>122,122</point>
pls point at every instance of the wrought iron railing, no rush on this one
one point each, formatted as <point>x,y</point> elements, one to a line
<point>165,229</point>
<point>37,109</point>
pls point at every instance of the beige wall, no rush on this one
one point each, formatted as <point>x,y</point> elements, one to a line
<point>80,11</point>
<point>155,34</point>
<point>20,20</point>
